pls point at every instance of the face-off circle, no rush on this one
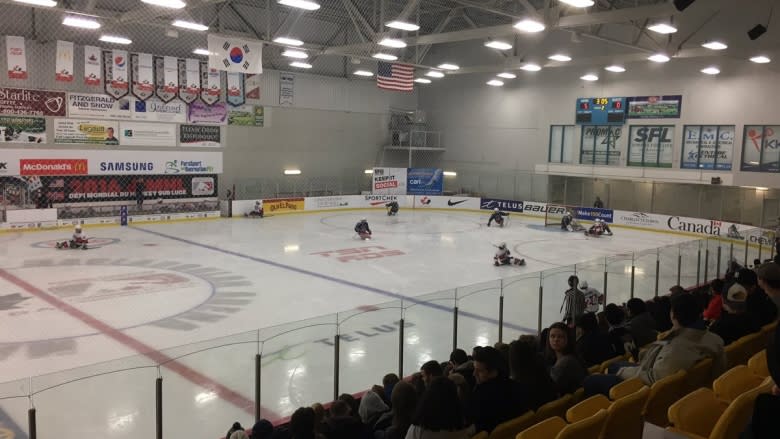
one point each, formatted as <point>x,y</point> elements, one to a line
<point>93,242</point>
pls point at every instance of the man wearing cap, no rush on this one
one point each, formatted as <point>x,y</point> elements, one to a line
<point>734,322</point>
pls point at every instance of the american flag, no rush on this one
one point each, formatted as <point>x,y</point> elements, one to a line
<point>398,77</point>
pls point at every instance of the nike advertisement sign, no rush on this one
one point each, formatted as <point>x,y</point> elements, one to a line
<point>455,203</point>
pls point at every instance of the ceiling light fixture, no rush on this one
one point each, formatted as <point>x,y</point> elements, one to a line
<point>559,57</point>
<point>292,172</point>
<point>714,45</point>
<point>710,71</point>
<point>450,173</point>
<point>507,75</point>
<point>45,3</point>
<point>300,65</point>
<point>301,4</point>
<point>435,74</point>
<point>760,59</point>
<point>578,3</point>
<point>295,54</point>
<point>385,56</point>
<point>83,23</point>
<point>422,81</point>
<point>362,73</point>
<point>115,39</point>
<point>403,25</point>
<point>392,42</point>
<point>204,52</point>
<point>288,41</point>
<point>530,67</point>
<point>190,25</point>
<point>662,28</point>
<point>495,83</point>
<point>659,57</point>
<point>615,69</point>
<point>589,77</point>
<point>529,25</point>
<point>500,45</point>
<point>448,66</point>
<point>173,4</point>
<point>368,171</point>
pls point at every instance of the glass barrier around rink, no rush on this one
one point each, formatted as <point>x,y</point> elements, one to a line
<point>369,345</point>
<point>15,402</point>
<point>554,287</point>
<point>429,329</point>
<point>645,271</point>
<point>619,282</point>
<point>478,314</point>
<point>691,260</point>
<point>669,260</point>
<point>521,310</point>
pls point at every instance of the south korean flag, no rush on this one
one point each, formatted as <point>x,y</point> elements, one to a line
<point>235,55</point>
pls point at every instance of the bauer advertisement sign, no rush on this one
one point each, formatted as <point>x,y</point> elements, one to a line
<point>389,181</point>
<point>90,189</point>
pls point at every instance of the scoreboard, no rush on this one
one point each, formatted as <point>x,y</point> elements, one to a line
<point>601,111</point>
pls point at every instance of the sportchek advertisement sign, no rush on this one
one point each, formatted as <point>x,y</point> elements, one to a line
<point>22,129</point>
<point>389,181</point>
<point>86,189</point>
<point>23,102</point>
<point>200,135</point>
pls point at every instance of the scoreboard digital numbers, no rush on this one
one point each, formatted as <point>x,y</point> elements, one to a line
<point>601,111</point>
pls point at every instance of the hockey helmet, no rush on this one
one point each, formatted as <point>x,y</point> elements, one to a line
<point>495,210</point>
<point>78,227</point>
<point>257,203</point>
<point>584,284</point>
<point>363,219</point>
<point>502,246</point>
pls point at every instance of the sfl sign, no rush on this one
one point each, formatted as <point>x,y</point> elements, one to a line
<point>360,253</point>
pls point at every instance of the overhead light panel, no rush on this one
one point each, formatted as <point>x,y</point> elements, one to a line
<point>295,54</point>
<point>714,45</point>
<point>385,56</point>
<point>301,4</point>
<point>500,45</point>
<point>448,66</point>
<point>662,28</point>
<point>83,23</point>
<point>760,59</point>
<point>450,173</point>
<point>392,42</point>
<point>362,73</point>
<point>292,172</point>
<point>578,3</point>
<point>288,41</point>
<point>173,4</point>
<point>422,81</point>
<point>529,25</point>
<point>435,74</point>
<point>530,67</point>
<point>300,64</point>
<point>615,69</point>
<point>204,52</point>
<point>589,77</point>
<point>495,83</point>
<point>403,25</point>
<point>559,57</point>
<point>710,71</point>
<point>44,3</point>
<point>659,57</point>
<point>507,75</point>
<point>368,171</point>
<point>115,39</point>
<point>190,25</point>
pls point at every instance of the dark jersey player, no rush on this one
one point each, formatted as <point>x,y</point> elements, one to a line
<point>498,217</point>
<point>362,229</point>
<point>392,208</point>
<point>569,223</point>
<point>257,211</point>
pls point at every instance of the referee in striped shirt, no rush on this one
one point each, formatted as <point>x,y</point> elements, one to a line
<point>573,301</point>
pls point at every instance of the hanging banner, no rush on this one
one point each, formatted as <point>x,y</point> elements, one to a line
<point>84,189</point>
<point>210,85</point>
<point>92,70</point>
<point>200,135</point>
<point>147,134</point>
<point>64,72</point>
<point>247,115</point>
<point>115,68</point>
<point>286,89</point>
<point>143,76</point>
<point>252,86</point>
<point>98,106</point>
<point>16,56</point>
<point>155,110</point>
<point>24,102</point>
<point>235,89</point>
<point>200,113</point>
<point>189,80</point>
<point>22,130</point>
<point>90,132</point>
<point>167,78</point>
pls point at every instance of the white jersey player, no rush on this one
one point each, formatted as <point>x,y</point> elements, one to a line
<point>593,297</point>
<point>504,257</point>
<point>78,240</point>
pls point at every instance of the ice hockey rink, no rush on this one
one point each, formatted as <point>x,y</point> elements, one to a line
<point>101,321</point>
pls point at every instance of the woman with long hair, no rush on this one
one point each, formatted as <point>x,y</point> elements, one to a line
<point>439,414</point>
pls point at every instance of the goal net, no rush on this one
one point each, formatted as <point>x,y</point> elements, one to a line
<point>554,213</point>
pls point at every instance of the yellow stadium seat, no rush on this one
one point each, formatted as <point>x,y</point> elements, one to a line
<point>741,350</point>
<point>480,435</point>
<point>510,429</point>
<point>735,382</point>
<point>757,364</point>
<point>588,428</point>
<point>554,408</point>
<point>578,396</point>
<point>625,388</point>
<point>700,375</point>
<point>736,417</point>
<point>697,412</point>
<point>606,364</point>
<point>547,429</point>
<point>624,416</point>
<point>595,369</point>
<point>664,393</point>
<point>587,408</point>
<point>754,343</point>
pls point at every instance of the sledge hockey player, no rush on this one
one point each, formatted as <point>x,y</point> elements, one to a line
<point>569,223</point>
<point>362,229</point>
<point>733,233</point>
<point>78,240</point>
<point>599,228</point>
<point>498,217</point>
<point>257,211</point>
<point>593,297</point>
<point>392,208</point>
<point>503,257</point>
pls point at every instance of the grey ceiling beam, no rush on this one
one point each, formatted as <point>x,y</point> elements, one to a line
<point>438,29</point>
<point>529,9</point>
<point>485,8</point>
<point>367,32</point>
